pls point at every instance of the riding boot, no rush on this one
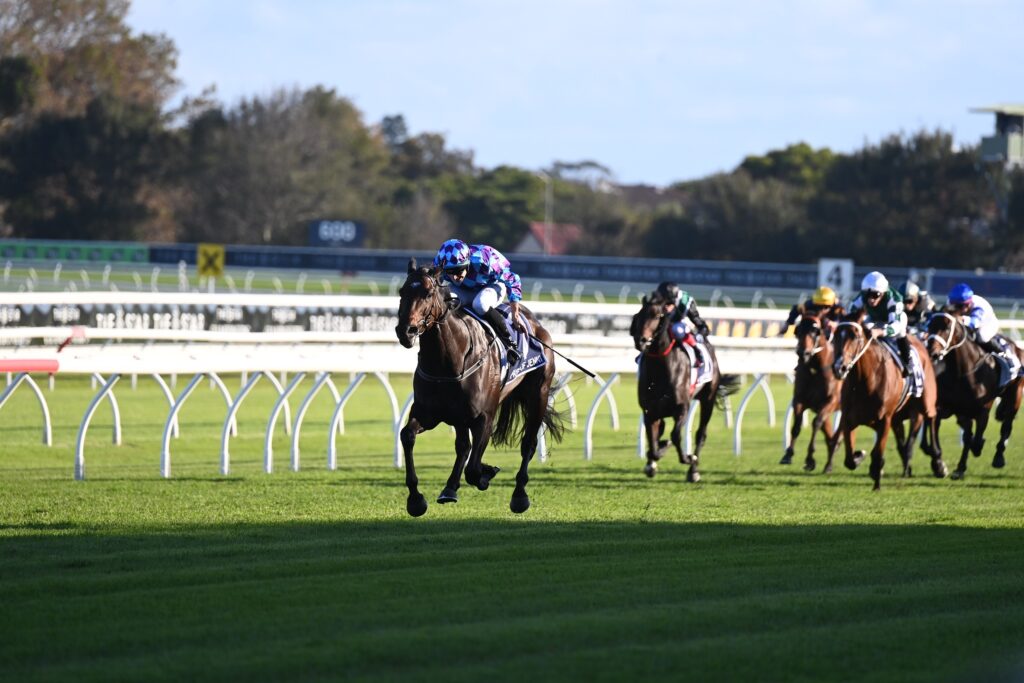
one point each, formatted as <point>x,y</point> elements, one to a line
<point>904,346</point>
<point>497,321</point>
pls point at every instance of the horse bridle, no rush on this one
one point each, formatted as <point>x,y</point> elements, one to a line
<point>818,348</point>
<point>432,318</point>
<point>947,343</point>
<point>863,349</point>
<point>663,321</point>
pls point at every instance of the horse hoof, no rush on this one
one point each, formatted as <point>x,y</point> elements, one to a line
<point>999,462</point>
<point>957,475</point>
<point>416,505</point>
<point>809,465</point>
<point>448,496</point>
<point>650,469</point>
<point>693,476</point>
<point>488,473</point>
<point>939,469</point>
<point>519,504</point>
<point>907,472</point>
<point>787,459</point>
<point>827,469</point>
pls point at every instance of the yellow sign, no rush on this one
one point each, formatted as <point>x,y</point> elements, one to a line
<point>210,260</point>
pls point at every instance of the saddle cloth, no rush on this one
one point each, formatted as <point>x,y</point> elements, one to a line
<point>707,370</point>
<point>915,378</point>
<point>530,351</point>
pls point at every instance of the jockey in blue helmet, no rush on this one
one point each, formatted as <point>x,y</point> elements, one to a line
<point>978,315</point>
<point>482,277</point>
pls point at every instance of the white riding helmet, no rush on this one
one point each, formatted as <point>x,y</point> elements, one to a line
<point>874,282</point>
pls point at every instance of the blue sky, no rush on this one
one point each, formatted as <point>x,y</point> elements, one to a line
<point>656,91</point>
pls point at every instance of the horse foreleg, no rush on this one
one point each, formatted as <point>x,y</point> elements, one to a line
<point>849,438</point>
<point>878,452</point>
<point>653,427</point>
<point>817,425</point>
<point>966,425</point>
<point>831,439</point>
<point>794,431</point>
<point>415,504</point>
<point>534,419</point>
<point>450,494</point>
<point>901,444</point>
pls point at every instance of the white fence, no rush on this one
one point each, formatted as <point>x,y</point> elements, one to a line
<point>206,354</point>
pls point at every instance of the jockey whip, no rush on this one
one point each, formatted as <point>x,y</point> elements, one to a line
<point>571,361</point>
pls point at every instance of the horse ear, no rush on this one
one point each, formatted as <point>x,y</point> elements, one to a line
<point>644,301</point>
<point>412,265</point>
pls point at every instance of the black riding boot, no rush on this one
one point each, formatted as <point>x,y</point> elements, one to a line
<point>904,346</point>
<point>497,321</point>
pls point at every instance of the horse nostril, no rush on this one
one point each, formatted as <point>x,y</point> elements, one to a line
<point>411,330</point>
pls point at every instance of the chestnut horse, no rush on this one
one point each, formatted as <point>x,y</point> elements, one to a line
<point>968,383</point>
<point>874,393</point>
<point>458,381</point>
<point>664,387</point>
<point>815,387</point>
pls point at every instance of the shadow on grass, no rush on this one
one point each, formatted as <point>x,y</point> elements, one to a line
<point>548,600</point>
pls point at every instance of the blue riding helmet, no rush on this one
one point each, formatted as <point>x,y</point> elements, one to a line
<point>961,294</point>
<point>452,254</point>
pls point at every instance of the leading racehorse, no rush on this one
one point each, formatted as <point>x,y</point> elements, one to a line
<point>968,385</point>
<point>459,382</point>
<point>876,394</point>
<point>815,387</point>
<point>665,388</point>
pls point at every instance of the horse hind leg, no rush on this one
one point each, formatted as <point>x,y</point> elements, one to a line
<point>878,452</point>
<point>707,406</point>
<point>902,442</point>
<point>450,494</point>
<point>477,473</point>
<point>831,441</point>
<point>533,421</point>
<point>817,425</point>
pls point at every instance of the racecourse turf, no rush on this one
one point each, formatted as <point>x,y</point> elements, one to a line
<point>759,572</point>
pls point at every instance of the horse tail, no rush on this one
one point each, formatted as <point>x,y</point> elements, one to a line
<point>727,386</point>
<point>510,427</point>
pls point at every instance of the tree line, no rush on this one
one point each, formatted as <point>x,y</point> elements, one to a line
<point>90,149</point>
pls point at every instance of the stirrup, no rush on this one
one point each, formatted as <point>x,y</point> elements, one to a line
<point>512,354</point>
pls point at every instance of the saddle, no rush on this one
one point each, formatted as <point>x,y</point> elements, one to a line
<point>530,350</point>
<point>1009,365</point>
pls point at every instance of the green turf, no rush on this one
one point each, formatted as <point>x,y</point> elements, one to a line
<point>759,572</point>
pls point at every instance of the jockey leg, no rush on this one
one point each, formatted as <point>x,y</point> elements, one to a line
<point>497,321</point>
<point>691,341</point>
<point>904,346</point>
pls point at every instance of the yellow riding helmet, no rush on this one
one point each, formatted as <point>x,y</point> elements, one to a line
<point>824,296</point>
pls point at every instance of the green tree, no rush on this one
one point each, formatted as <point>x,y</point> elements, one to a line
<point>260,172</point>
<point>83,177</point>
<point>494,207</point>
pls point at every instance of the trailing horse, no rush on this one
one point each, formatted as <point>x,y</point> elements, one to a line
<point>459,381</point>
<point>968,385</point>
<point>665,389</point>
<point>815,387</point>
<point>876,394</point>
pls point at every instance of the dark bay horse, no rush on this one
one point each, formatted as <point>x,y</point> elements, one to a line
<point>874,394</point>
<point>664,386</point>
<point>815,387</point>
<point>458,381</point>
<point>968,383</point>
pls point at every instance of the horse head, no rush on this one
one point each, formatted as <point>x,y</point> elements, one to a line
<point>811,339</point>
<point>650,322</point>
<point>945,334</point>
<point>423,302</point>
<point>849,342</point>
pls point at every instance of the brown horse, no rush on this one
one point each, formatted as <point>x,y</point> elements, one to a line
<point>875,393</point>
<point>664,387</point>
<point>968,384</point>
<point>458,381</point>
<point>815,387</point>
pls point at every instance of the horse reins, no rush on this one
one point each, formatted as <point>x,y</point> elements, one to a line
<point>864,348</point>
<point>946,348</point>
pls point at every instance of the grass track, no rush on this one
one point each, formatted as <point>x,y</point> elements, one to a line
<point>757,573</point>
